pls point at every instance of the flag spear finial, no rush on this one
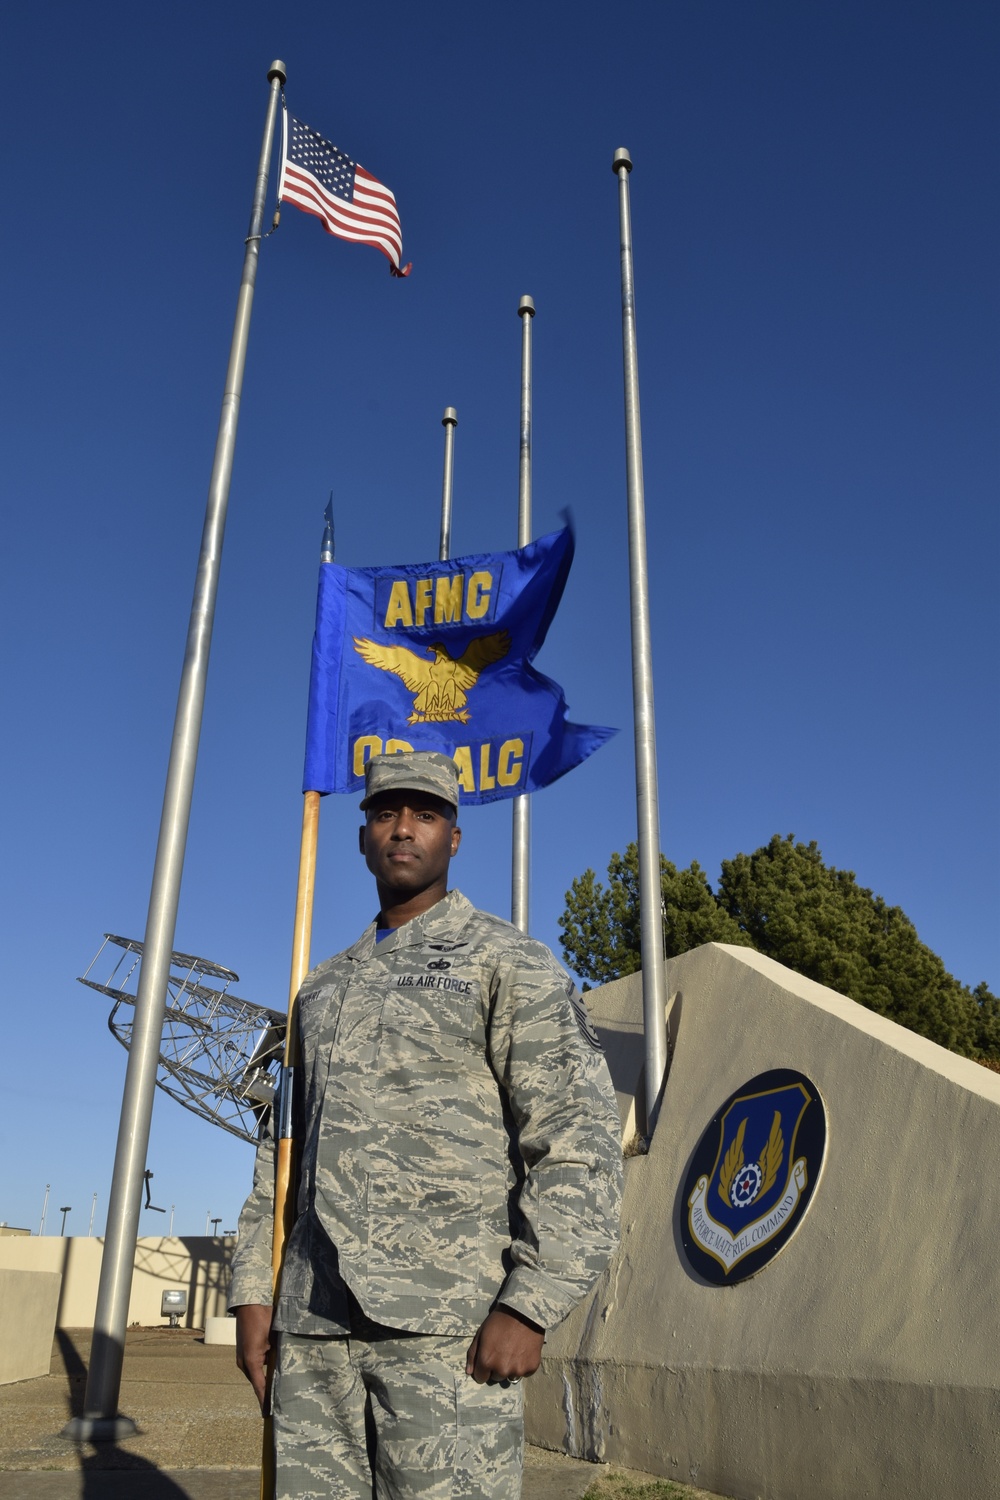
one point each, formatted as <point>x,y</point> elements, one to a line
<point>326,551</point>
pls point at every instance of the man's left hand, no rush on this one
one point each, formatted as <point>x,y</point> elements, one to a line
<point>506,1347</point>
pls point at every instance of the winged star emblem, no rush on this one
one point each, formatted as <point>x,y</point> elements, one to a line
<point>740,1181</point>
<point>441,686</point>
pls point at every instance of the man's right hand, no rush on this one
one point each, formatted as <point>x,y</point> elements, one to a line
<point>253,1343</point>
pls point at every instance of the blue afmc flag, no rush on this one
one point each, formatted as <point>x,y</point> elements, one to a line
<point>438,656</point>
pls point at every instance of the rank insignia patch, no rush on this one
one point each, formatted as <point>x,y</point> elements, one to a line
<point>752,1176</point>
<point>583,1019</point>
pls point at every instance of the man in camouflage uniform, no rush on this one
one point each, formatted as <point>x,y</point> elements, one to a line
<point>459,1181</point>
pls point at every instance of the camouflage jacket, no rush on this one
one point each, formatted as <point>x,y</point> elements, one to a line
<point>460,1140</point>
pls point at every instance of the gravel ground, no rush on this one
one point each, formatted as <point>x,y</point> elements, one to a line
<point>199,1432</point>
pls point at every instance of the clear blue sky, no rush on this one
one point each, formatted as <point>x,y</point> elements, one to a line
<point>815,216</point>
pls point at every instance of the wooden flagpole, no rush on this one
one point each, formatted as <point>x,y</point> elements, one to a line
<point>285,1166</point>
<point>284,1176</point>
<point>284,1203</point>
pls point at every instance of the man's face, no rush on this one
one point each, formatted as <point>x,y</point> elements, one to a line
<point>408,841</point>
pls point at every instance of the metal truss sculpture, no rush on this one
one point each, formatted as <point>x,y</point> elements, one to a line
<point>220,1056</point>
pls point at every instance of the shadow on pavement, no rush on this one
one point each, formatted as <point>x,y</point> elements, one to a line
<point>108,1471</point>
<point>133,1477</point>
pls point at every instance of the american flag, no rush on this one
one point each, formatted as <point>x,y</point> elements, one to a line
<point>349,202</point>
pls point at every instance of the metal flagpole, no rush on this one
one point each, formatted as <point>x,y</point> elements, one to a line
<point>100,1422</point>
<point>449,422</point>
<point>520,870</point>
<point>654,979</point>
<point>285,1166</point>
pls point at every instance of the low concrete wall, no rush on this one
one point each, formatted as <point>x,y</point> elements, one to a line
<point>199,1265</point>
<point>220,1331</point>
<point>861,1360</point>
<point>29,1300</point>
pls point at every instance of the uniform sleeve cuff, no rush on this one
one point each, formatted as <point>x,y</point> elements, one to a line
<point>537,1296</point>
<point>246,1290</point>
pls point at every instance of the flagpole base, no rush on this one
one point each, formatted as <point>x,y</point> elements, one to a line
<point>99,1429</point>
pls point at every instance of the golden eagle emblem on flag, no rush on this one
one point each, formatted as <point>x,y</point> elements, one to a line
<point>442,685</point>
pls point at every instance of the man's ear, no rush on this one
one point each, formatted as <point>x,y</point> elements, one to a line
<point>456,839</point>
<point>361,839</point>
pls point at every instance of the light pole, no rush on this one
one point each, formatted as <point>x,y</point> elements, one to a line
<point>64,1211</point>
<point>93,1208</point>
<point>45,1207</point>
<point>215,1226</point>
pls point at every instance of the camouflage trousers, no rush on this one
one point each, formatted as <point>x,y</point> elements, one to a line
<point>394,1416</point>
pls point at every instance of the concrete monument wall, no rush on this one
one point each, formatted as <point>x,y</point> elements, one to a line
<point>198,1265</point>
<point>29,1300</point>
<point>863,1360</point>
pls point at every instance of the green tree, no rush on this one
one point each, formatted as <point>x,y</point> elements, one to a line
<point>600,925</point>
<point>819,921</point>
<point>987,1022</point>
<point>785,902</point>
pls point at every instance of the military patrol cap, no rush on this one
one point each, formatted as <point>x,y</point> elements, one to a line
<point>412,771</point>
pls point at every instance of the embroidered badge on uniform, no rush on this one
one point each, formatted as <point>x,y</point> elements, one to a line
<point>583,1020</point>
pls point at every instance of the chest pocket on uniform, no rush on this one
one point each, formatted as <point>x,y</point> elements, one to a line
<point>319,1022</point>
<point>442,1005</point>
<point>319,1012</point>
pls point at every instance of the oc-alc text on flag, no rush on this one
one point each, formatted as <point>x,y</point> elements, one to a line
<point>438,656</point>
<point>348,201</point>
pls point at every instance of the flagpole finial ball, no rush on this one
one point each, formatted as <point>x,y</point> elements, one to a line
<point>622,159</point>
<point>450,417</point>
<point>277,70</point>
<point>526,305</point>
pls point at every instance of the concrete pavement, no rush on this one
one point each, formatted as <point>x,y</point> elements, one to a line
<point>199,1430</point>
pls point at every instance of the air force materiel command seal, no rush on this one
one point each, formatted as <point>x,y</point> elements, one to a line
<point>752,1176</point>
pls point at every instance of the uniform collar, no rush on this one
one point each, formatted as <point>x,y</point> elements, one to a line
<point>442,920</point>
